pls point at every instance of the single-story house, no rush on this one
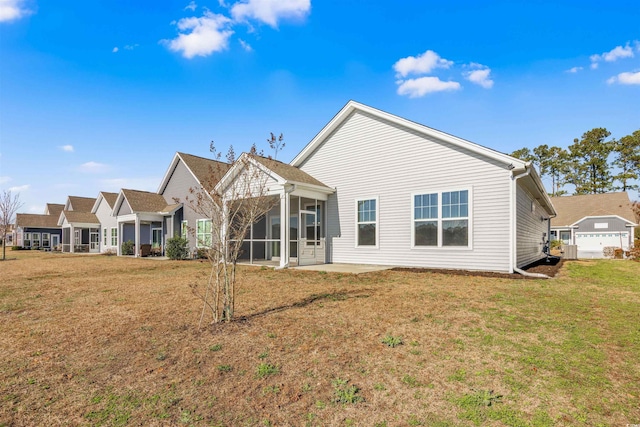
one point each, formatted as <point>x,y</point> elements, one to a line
<point>34,231</point>
<point>141,218</point>
<point>80,228</point>
<point>103,210</point>
<point>594,222</point>
<point>185,173</point>
<point>374,188</point>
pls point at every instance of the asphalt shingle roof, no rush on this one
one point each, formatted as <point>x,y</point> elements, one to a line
<point>288,172</point>
<point>81,204</point>
<point>75,217</point>
<point>34,220</point>
<point>571,209</point>
<point>144,201</point>
<point>208,172</point>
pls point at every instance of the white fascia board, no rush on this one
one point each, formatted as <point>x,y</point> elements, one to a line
<point>538,182</point>
<point>167,174</point>
<point>117,204</point>
<point>353,106</point>
<point>61,219</point>
<point>238,167</point>
<point>94,209</point>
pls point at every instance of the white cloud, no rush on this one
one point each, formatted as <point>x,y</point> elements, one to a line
<point>415,88</point>
<point>270,11</point>
<point>36,209</point>
<point>201,36</point>
<point>480,76</point>
<point>115,49</point>
<point>131,46</point>
<point>626,79</point>
<point>574,70</point>
<point>421,64</point>
<point>191,6</point>
<point>93,167</point>
<point>67,148</point>
<point>11,10</point>
<point>4,179</point>
<point>613,55</point>
<point>19,188</point>
<point>246,46</point>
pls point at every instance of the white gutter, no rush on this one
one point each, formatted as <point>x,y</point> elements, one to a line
<point>514,212</point>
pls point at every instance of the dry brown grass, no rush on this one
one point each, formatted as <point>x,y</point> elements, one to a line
<point>95,340</point>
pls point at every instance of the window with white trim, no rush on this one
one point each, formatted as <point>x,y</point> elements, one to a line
<point>46,240</point>
<point>104,236</point>
<point>367,222</point>
<point>203,233</point>
<point>26,241</point>
<point>441,219</point>
<point>425,219</point>
<point>114,236</point>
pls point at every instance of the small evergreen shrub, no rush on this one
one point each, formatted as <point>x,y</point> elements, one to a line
<point>177,248</point>
<point>128,247</point>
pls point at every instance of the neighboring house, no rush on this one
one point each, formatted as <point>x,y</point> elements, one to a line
<point>103,210</point>
<point>35,231</point>
<point>80,227</point>
<point>593,222</point>
<point>374,188</point>
<point>185,173</point>
<point>142,217</point>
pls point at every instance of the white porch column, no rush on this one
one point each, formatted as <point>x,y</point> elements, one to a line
<point>118,245</point>
<point>284,228</point>
<point>72,239</point>
<point>137,237</point>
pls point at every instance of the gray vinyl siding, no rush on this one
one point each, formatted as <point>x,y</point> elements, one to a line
<point>176,191</point>
<point>124,208</point>
<point>369,157</point>
<point>615,225</point>
<point>106,221</point>
<point>530,229</point>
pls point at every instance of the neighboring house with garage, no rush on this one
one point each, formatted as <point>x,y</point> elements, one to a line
<point>34,231</point>
<point>593,222</point>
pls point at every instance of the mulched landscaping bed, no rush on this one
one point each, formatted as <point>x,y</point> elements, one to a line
<point>550,267</point>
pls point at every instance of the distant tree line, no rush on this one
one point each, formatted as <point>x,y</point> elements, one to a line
<point>592,164</point>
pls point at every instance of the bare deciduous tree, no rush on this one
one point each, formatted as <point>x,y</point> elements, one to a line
<point>9,205</point>
<point>230,206</point>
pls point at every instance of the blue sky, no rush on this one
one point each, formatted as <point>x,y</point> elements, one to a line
<point>100,95</point>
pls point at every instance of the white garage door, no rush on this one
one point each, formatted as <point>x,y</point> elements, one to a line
<point>591,245</point>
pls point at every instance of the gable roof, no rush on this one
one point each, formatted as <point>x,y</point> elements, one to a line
<point>110,198</point>
<point>80,204</point>
<point>280,172</point>
<point>36,221</point>
<point>75,217</point>
<point>206,172</point>
<point>143,201</point>
<point>54,209</point>
<point>572,209</point>
<point>532,181</point>
<point>353,106</point>
<point>288,172</point>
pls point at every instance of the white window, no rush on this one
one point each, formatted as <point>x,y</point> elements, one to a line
<point>104,237</point>
<point>367,222</point>
<point>114,236</point>
<point>441,219</point>
<point>184,229</point>
<point>203,233</point>
<point>46,240</point>
<point>26,242</point>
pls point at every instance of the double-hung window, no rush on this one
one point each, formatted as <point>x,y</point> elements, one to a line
<point>114,236</point>
<point>203,233</point>
<point>105,242</point>
<point>367,222</point>
<point>441,219</point>
<point>46,240</point>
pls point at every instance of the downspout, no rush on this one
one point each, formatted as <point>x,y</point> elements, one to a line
<point>514,242</point>
<point>282,224</point>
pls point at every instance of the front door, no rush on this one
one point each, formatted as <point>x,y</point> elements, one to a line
<point>308,238</point>
<point>55,242</point>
